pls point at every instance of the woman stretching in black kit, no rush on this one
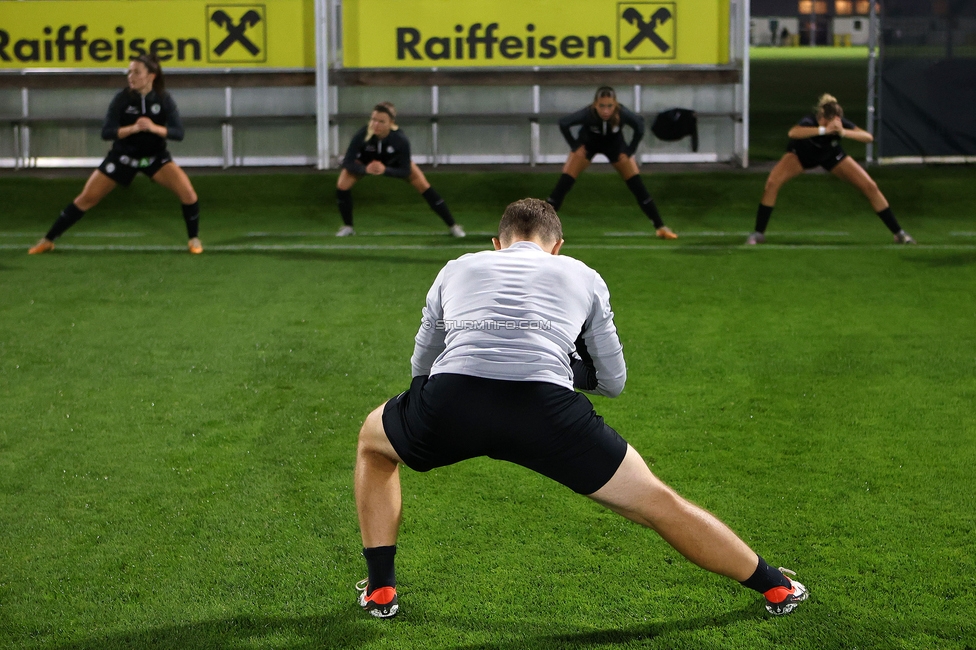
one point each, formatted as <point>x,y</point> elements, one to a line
<point>381,149</point>
<point>140,119</point>
<point>601,131</point>
<point>815,142</point>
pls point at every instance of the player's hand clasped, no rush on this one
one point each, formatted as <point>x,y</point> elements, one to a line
<point>836,127</point>
<point>375,168</point>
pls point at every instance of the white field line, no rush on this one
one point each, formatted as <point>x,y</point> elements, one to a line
<point>439,233</point>
<point>32,235</point>
<point>721,233</point>
<point>962,234</point>
<point>483,246</point>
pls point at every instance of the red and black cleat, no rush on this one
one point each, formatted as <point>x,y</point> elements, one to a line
<point>781,600</point>
<point>382,603</point>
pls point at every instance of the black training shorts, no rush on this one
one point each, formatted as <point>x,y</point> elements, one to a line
<point>547,428</point>
<point>122,168</point>
<point>811,157</point>
<point>610,146</point>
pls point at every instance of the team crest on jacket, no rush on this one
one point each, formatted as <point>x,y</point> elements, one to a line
<point>389,150</point>
<point>155,109</point>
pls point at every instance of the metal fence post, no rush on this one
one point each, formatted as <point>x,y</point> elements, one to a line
<point>872,80</point>
<point>322,83</point>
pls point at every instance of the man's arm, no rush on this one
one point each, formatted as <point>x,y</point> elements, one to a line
<point>602,345</point>
<point>429,342</point>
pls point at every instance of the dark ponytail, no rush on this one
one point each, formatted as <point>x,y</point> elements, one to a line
<point>151,61</point>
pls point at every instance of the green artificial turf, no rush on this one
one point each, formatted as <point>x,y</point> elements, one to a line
<point>177,433</point>
<point>807,53</point>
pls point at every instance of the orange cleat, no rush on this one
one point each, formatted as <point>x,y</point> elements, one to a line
<point>42,246</point>
<point>195,246</point>
<point>665,233</point>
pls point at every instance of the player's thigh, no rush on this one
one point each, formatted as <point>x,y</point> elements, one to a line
<point>626,166</point>
<point>789,166</point>
<point>346,180</point>
<point>576,162</point>
<point>373,438</point>
<point>634,491</point>
<point>96,188</point>
<point>172,177</point>
<point>848,170</point>
<point>417,178</point>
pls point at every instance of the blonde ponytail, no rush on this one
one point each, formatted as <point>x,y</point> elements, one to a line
<point>828,107</point>
<point>826,98</point>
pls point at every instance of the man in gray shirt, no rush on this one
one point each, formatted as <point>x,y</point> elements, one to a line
<point>506,336</point>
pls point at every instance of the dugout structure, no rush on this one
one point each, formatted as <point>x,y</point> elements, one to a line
<point>461,103</point>
<point>243,76</point>
<point>922,82</point>
<point>275,83</point>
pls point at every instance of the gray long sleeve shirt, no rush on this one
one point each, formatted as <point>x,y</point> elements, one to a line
<point>515,314</point>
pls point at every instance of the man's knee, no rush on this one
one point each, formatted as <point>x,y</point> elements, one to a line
<point>373,438</point>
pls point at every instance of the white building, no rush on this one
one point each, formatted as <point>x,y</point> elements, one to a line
<point>769,30</point>
<point>855,27</point>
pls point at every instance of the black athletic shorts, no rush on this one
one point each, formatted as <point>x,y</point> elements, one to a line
<point>547,428</point>
<point>610,146</point>
<point>811,158</point>
<point>122,169</point>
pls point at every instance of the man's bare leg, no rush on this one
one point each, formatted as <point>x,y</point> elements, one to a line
<point>635,493</point>
<point>377,482</point>
<point>379,505</point>
<point>638,495</point>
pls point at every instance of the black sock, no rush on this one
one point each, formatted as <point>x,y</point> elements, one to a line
<point>636,187</point>
<point>765,578</point>
<point>344,201</point>
<point>563,186</point>
<point>379,564</point>
<point>437,204</point>
<point>890,221</point>
<point>68,217</point>
<point>762,217</point>
<point>191,215</point>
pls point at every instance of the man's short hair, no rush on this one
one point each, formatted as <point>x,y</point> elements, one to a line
<point>527,218</point>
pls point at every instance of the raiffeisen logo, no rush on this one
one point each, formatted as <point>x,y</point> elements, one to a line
<point>478,42</point>
<point>77,43</point>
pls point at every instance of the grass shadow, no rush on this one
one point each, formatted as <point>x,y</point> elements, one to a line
<point>955,260</point>
<point>624,636</point>
<point>345,629</point>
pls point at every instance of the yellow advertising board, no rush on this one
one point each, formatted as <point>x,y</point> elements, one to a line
<point>520,33</point>
<point>183,33</point>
